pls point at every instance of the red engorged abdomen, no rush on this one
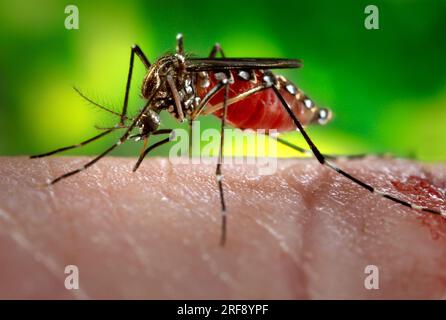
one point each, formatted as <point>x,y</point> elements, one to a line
<point>261,110</point>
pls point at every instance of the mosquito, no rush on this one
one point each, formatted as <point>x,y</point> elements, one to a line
<point>242,92</point>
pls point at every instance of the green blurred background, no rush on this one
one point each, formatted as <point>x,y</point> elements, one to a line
<point>386,87</point>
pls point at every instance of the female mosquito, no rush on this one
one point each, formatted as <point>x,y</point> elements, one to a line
<point>240,91</point>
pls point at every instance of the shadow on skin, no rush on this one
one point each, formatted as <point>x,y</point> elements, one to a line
<point>304,232</point>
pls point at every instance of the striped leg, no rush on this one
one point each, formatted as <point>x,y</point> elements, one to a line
<point>216,89</point>
<point>218,172</point>
<point>176,97</point>
<point>206,99</point>
<point>215,50</point>
<point>180,45</point>
<point>323,160</point>
<point>155,145</point>
<point>190,137</point>
<point>83,143</point>
<point>308,152</point>
<point>134,50</point>
<point>85,166</point>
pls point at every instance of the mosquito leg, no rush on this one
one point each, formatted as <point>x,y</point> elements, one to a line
<point>83,143</point>
<point>176,97</point>
<point>190,137</point>
<point>206,99</point>
<point>218,172</point>
<point>213,108</point>
<point>161,131</point>
<point>155,145</point>
<point>180,46</point>
<point>180,51</point>
<point>322,160</point>
<point>85,166</point>
<point>134,50</point>
<point>328,156</point>
<point>121,140</point>
<point>215,50</point>
<point>109,128</point>
<point>139,136</point>
<point>90,163</point>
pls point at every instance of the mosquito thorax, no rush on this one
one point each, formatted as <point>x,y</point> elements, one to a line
<point>188,98</point>
<point>158,70</point>
<point>170,66</point>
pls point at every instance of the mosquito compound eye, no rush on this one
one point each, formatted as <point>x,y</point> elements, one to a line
<point>324,115</point>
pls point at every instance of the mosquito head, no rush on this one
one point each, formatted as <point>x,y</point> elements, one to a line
<point>149,122</point>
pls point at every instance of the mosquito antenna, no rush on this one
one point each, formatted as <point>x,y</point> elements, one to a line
<point>97,104</point>
<point>108,128</point>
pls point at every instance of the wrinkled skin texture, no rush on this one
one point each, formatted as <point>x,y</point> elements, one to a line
<point>304,232</point>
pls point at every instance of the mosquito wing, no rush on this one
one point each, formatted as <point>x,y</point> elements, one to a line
<point>218,64</point>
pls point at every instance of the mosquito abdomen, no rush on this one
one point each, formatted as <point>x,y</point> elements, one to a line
<point>263,109</point>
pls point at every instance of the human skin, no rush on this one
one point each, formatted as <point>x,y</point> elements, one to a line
<point>304,232</point>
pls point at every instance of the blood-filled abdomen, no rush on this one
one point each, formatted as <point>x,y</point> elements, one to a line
<point>263,109</point>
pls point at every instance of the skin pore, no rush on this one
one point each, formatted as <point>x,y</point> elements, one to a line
<point>304,232</point>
